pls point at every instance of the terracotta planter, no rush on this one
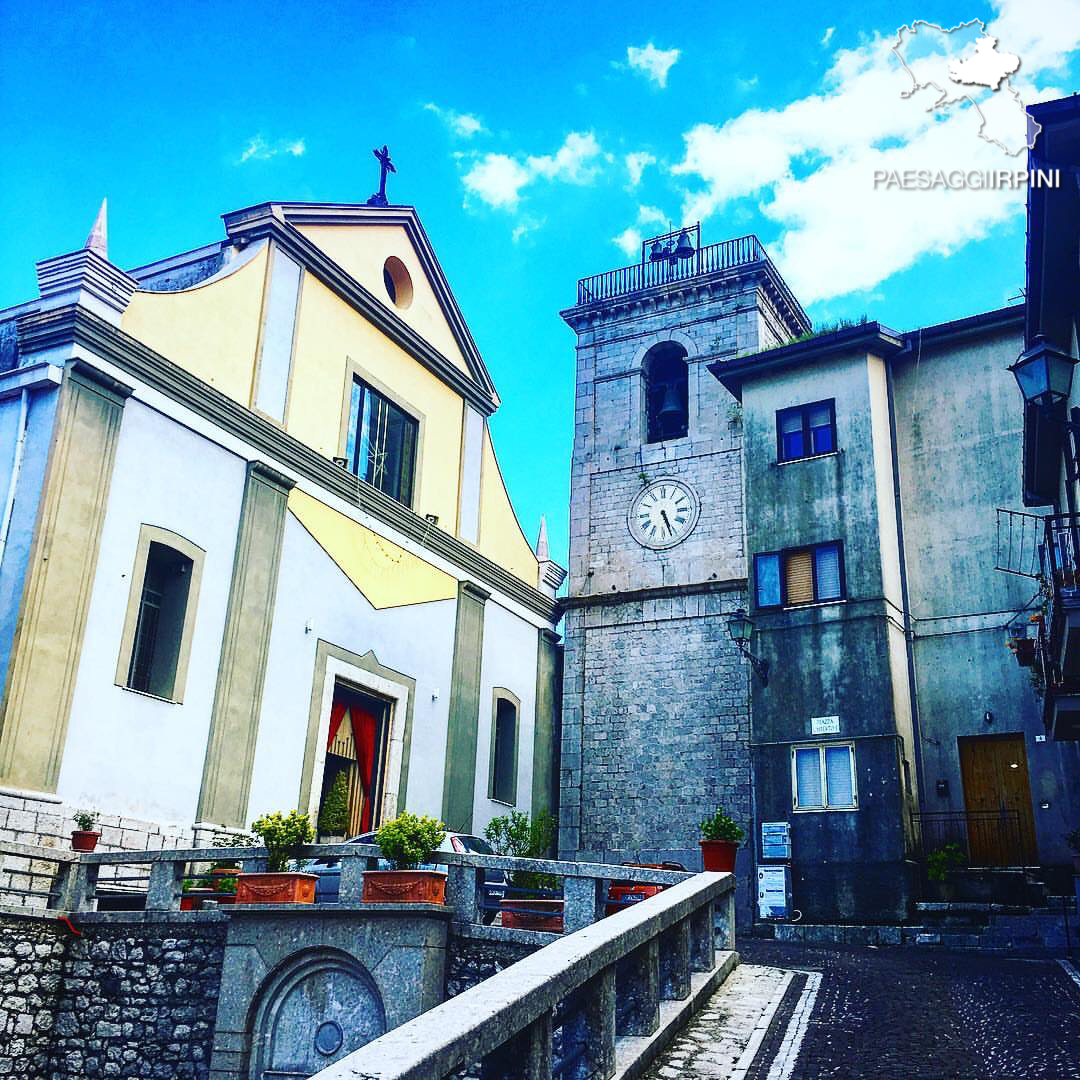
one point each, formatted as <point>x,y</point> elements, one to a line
<point>404,887</point>
<point>193,898</point>
<point>624,893</point>
<point>719,855</point>
<point>84,840</point>
<point>540,914</point>
<point>275,889</point>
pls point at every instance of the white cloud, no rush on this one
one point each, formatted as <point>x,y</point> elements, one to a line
<point>827,36</point>
<point>259,149</point>
<point>636,164</point>
<point>464,125</point>
<point>651,215</point>
<point>810,164</point>
<point>745,85</point>
<point>629,240</point>
<point>652,62</point>
<point>497,179</point>
<point>572,162</point>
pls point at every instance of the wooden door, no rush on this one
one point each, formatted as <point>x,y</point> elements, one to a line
<point>997,798</point>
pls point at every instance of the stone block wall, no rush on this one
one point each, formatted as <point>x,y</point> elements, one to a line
<point>128,996</point>
<point>656,727</point>
<point>472,959</point>
<point>139,999</point>
<point>32,952</point>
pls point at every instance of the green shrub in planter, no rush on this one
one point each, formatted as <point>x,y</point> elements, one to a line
<point>515,835</point>
<point>334,815</point>
<point>86,820</point>
<point>721,826</point>
<point>409,839</point>
<point>940,862</point>
<point>281,836</point>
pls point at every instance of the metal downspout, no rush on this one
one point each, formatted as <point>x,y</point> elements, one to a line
<point>909,643</point>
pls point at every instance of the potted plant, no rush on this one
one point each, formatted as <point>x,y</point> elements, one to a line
<point>281,836</point>
<point>720,839</point>
<point>532,902</point>
<point>85,836</point>
<point>405,843</point>
<point>334,813</point>
<point>192,893</point>
<point>939,864</point>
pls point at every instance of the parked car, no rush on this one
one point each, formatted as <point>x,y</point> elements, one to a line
<point>493,883</point>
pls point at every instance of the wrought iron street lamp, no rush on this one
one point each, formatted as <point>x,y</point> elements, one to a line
<point>1043,373</point>
<point>740,627</point>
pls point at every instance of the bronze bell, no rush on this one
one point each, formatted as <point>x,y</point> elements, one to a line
<point>656,253</point>
<point>684,249</point>
<point>671,410</point>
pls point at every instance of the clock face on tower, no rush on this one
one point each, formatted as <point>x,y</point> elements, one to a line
<point>663,514</point>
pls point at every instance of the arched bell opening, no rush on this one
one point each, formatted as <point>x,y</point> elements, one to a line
<point>667,398</point>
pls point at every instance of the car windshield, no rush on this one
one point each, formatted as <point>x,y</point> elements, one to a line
<point>476,845</point>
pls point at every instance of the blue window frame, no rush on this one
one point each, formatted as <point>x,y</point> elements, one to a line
<point>806,431</point>
<point>797,576</point>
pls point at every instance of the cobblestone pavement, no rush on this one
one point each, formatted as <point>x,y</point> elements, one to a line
<point>798,1012</point>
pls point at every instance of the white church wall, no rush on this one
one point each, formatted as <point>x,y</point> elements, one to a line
<point>126,752</point>
<point>509,661</point>
<point>415,640</point>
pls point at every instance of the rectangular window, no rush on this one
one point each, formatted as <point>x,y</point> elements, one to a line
<point>806,431</point>
<point>823,777</point>
<point>381,445</point>
<point>810,575</point>
<point>502,785</point>
<point>157,633</point>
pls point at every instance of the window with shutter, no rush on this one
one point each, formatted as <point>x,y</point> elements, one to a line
<point>767,580</point>
<point>827,572</point>
<point>823,777</point>
<point>799,578</point>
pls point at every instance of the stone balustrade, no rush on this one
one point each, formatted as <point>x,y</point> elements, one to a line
<point>597,1003</point>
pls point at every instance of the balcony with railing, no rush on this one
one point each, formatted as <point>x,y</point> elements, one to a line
<point>679,257</point>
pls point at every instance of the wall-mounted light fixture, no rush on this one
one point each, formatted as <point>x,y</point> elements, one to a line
<point>740,627</point>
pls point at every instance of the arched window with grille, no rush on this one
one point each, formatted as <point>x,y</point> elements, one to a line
<point>666,378</point>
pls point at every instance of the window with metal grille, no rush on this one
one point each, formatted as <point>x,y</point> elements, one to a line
<point>806,431</point>
<point>503,783</point>
<point>159,628</point>
<point>381,446</point>
<point>810,575</point>
<point>823,777</point>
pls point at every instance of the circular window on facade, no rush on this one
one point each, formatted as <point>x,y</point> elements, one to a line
<point>397,281</point>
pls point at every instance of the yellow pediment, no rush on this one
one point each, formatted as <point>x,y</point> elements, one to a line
<point>387,575</point>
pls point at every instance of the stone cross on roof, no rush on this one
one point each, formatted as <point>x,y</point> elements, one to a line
<point>385,166</point>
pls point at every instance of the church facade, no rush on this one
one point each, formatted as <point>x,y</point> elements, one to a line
<point>256,537</point>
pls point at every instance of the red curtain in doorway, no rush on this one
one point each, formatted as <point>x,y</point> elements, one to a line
<point>363,728</point>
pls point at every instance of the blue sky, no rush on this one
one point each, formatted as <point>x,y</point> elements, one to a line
<point>537,142</point>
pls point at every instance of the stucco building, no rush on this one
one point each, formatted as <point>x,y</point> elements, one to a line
<point>256,535</point>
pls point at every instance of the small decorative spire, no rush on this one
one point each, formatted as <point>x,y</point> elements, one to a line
<point>542,542</point>
<point>98,239</point>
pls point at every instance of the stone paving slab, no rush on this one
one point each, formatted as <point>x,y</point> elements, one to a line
<point>801,1012</point>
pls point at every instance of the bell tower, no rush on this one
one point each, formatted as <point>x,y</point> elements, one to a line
<point>656,697</point>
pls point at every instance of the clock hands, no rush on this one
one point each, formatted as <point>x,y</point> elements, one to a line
<point>667,522</point>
